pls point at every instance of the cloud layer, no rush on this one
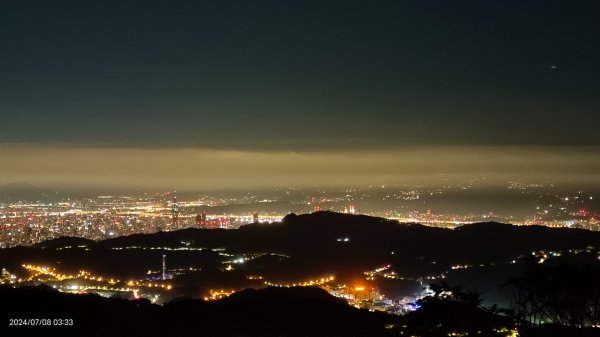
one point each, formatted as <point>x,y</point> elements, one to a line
<point>201,169</point>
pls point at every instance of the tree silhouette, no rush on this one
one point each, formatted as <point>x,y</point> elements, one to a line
<point>452,310</point>
<point>564,294</point>
<point>444,290</point>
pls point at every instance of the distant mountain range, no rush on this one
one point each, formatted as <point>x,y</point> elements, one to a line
<point>375,239</point>
<point>320,243</point>
<point>15,192</point>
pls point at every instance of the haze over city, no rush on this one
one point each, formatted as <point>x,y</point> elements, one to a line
<point>100,168</point>
<point>182,94</point>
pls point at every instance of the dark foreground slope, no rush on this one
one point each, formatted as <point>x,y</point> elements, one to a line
<point>266,312</point>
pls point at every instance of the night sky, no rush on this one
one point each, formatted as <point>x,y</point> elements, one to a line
<point>245,79</point>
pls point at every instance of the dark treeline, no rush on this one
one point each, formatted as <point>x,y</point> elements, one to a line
<point>306,311</point>
<point>565,294</point>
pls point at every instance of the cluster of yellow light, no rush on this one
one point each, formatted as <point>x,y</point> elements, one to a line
<point>508,332</point>
<point>316,282</point>
<point>133,283</point>
<point>84,275</point>
<point>160,248</point>
<point>371,274</point>
<point>218,294</point>
<point>82,288</point>
<point>457,334</point>
<point>8,278</point>
<point>545,255</point>
<point>461,266</point>
<point>51,272</point>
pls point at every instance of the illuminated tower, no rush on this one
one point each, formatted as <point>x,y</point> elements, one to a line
<point>255,217</point>
<point>164,268</point>
<point>175,212</point>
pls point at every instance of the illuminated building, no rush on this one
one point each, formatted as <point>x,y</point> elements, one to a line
<point>255,217</point>
<point>201,220</point>
<point>175,213</point>
<point>366,294</point>
<point>349,209</point>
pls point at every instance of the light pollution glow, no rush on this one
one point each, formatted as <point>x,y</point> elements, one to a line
<point>192,169</point>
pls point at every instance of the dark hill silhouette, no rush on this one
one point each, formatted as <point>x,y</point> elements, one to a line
<point>64,241</point>
<point>306,246</point>
<point>371,240</point>
<point>311,242</point>
<point>305,293</point>
<point>267,312</point>
<point>15,192</point>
